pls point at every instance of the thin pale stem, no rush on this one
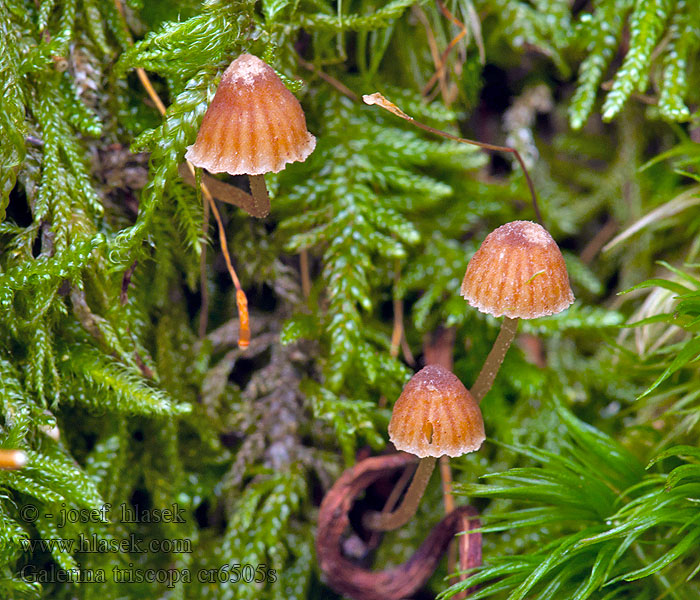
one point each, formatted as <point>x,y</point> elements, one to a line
<point>446,475</point>
<point>494,360</point>
<point>399,488</point>
<point>381,521</point>
<point>381,101</point>
<point>204,309</point>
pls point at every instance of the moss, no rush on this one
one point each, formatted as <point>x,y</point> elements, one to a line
<point>107,264</point>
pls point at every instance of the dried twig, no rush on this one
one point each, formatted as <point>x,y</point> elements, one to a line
<point>342,88</point>
<point>358,583</point>
<point>126,282</point>
<point>442,63</point>
<point>439,75</point>
<point>305,274</point>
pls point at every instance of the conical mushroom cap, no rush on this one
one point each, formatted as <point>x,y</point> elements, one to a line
<point>435,415</point>
<point>518,272</point>
<point>254,124</point>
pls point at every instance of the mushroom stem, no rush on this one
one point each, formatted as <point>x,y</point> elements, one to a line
<point>258,190</point>
<point>381,521</point>
<point>494,360</point>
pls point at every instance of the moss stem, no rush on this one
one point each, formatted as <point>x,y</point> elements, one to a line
<point>488,372</point>
<point>381,521</point>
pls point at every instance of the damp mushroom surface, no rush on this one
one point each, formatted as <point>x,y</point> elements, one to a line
<point>517,273</point>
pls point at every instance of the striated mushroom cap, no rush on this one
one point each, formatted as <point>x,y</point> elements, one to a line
<point>518,272</point>
<point>254,124</point>
<point>435,415</point>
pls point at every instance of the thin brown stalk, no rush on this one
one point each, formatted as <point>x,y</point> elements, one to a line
<point>152,94</point>
<point>434,51</point>
<point>450,17</point>
<point>443,58</point>
<point>598,242</point>
<point>400,486</point>
<point>397,333</point>
<point>446,476</point>
<point>342,88</point>
<point>407,354</point>
<point>403,581</point>
<point>393,499</point>
<point>440,72</point>
<point>305,273</point>
<point>203,284</point>
<point>449,501</point>
<point>494,360</point>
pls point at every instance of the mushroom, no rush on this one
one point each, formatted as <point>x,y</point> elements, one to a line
<point>519,273</point>
<point>435,415</point>
<point>13,459</point>
<point>254,125</point>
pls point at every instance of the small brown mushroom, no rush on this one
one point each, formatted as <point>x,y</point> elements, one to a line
<point>254,125</point>
<point>12,459</point>
<point>435,415</point>
<point>518,272</point>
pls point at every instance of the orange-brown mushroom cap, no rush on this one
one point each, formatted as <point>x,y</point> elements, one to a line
<point>518,272</point>
<point>254,124</point>
<point>436,415</point>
